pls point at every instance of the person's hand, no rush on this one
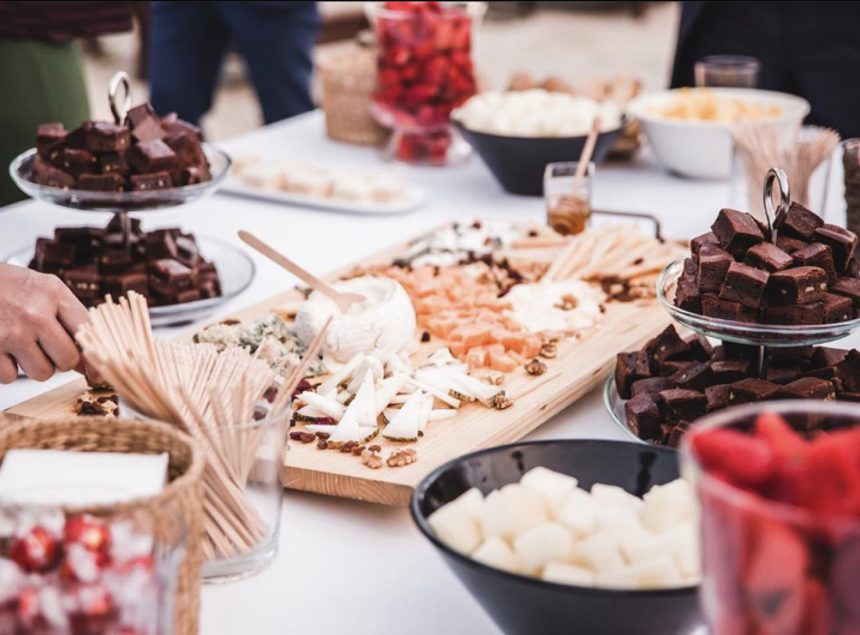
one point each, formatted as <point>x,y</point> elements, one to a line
<point>38,318</point>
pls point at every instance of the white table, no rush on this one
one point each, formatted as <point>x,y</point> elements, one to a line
<point>345,566</point>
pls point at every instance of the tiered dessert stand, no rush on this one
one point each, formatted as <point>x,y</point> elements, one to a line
<point>764,336</point>
<point>235,269</point>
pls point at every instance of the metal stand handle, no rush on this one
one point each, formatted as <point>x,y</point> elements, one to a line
<point>119,111</point>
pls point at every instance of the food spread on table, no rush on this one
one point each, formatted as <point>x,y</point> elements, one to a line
<point>536,113</point>
<point>700,104</point>
<point>165,265</point>
<point>548,527</point>
<point>142,153</point>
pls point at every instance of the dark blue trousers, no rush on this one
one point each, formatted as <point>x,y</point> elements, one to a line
<point>188,41</point>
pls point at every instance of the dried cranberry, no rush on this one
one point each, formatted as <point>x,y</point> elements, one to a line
<point>36,551</point>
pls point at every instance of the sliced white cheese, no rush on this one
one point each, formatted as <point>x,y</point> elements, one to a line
<point>365,401</point>
<point>387,389</point>
<point>328,406</point>
<point>406,423</point>
<point>441,395</point>
<point>340,375</point>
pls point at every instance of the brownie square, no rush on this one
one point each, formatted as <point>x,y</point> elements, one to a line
<point>848,372</point>
<point>113,163</point>
<point>630,367</point>
<point>827,356</point>
<point>717,397</point>
<point>807,388</point>
<point>687,295</point>
<point>817,255</point>
<point>151,156</point>
<point>103,136</point>
<point>789,244</point>
<point>678,404</point>
<point>100,182</point>
<point>848,287</point>
<point>674,437</point>
<point>651,385</point>
<point>727,371</point>
<point>842,241</point>
<point>751,389</point>
<point>76,162</point>
<point>798,285</point>
<point>768,257</point>
<point>799,222</point>
<point>837,308</point>
<point>48,137</point>
<point>699,350</point>
<point>667,344</point>
<point>795,314</point>
<point>736,231</point>
<point>744,284</point>
<point>711,273</point>
<point>705,239</point>
<point>643,416</point>
<point>782,374</point>
<point>694,377</point>
<point>155,181</point>
<point>716,307</point>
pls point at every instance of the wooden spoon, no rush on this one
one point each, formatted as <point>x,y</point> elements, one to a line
<point>585,157</point>
<point>343,300</point>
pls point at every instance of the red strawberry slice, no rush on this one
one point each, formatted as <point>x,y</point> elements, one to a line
<point>817,614</point>
<point>747,461</point>
<point>833,472</point>
<point>775,578</point>
<point>781,437</point>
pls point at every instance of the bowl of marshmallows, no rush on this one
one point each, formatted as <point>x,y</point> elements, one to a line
<point>518,133</point>
<point>584,536</point>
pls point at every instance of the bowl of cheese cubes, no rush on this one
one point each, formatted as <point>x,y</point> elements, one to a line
<point>584,536</point>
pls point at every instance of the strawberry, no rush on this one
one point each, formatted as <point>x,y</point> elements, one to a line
<point>781,437</point>
<point>747,461</point>
<point>817,612</point>
<point>833,472</point>
<point>775,577</point>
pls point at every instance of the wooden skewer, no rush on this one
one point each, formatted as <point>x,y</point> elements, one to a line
<point>585,156</point>
<point>342,299</point>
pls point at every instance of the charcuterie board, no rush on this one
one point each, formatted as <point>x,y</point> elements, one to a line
<point>580,364</point>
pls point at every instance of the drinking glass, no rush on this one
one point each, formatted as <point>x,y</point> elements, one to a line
<point>568,204</point>
<point>770,567</point>
<point>851,177</point>
<point>727,71</point>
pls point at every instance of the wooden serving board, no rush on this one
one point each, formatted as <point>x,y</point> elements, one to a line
<point>581,364</point>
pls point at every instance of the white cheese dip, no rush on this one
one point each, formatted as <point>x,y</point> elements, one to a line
<point>383,323</point>
<point>546,306</point>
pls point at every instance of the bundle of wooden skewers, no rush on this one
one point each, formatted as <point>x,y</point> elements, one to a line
<point>209,395</point>
<point>612,252</point>
<point>798,151</point>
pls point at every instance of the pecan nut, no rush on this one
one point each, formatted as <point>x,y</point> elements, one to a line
<point>535,367</point>
<point>401,458</point>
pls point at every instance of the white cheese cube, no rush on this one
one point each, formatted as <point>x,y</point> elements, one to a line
<point>456,528</point>
<point>684,541</point>
<point>598,552</point>
<point>642,546</point>
<point>495,552</point>
<point>618,578</point>
<point>552,486</point>
<point>472,502</point>
<point>616,497</point>
<point>564,573</point>
<point>542,544</point>
<point>511,511</point>
<point>578,512</point>
<point>618,522</point>
<point>660,572</point>
<point>668,505</point>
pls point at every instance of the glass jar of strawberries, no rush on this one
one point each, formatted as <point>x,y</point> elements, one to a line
<point>425,70</point>
<point>779,487</point>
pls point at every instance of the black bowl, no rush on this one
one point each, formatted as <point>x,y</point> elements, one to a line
<point>520,604</point>
<point>518,163</point>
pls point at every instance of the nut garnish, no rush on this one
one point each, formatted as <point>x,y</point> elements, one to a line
<point>548,350</point>
<point>494,378</point>
<point>371,459</point>
<point>568,302</point>
<point>535,367</point>
<point>500,402</point>
<point>400,458</point>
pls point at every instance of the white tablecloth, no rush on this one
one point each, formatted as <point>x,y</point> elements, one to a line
<point>345,566</point>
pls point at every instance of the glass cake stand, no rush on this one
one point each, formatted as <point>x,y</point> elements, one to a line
<point>770,335</point>
<point>235,268</point>
<point>615,407</point>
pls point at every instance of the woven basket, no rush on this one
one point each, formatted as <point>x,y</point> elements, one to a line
<point>183,495</point>
<point>348,79</point>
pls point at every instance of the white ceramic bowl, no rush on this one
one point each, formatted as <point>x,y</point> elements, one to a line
<point>703,149</point>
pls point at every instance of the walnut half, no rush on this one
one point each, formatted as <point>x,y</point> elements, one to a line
<point>535,367</point>
<point>400,458</point>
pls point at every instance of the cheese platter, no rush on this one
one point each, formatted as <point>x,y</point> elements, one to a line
<point>468,337</point>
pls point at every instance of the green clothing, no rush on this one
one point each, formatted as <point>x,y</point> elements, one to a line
<point>39,83</point>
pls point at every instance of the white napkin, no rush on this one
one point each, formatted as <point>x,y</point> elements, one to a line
<point>58,477</point>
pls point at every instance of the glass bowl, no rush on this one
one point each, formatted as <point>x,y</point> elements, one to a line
<point>773,335</point>
<point>615,407</point>
<point>771,566</point>
<point>235,268</point>
<point>86,201</point>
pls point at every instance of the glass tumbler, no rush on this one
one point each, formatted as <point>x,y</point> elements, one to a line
<point>851,177</point>
<point>568,202</point>
<point>727,71</point>
<point>771,567</point>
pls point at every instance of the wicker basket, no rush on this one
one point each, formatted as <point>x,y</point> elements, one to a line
<point>182,494</point>
<point>348,79</point>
